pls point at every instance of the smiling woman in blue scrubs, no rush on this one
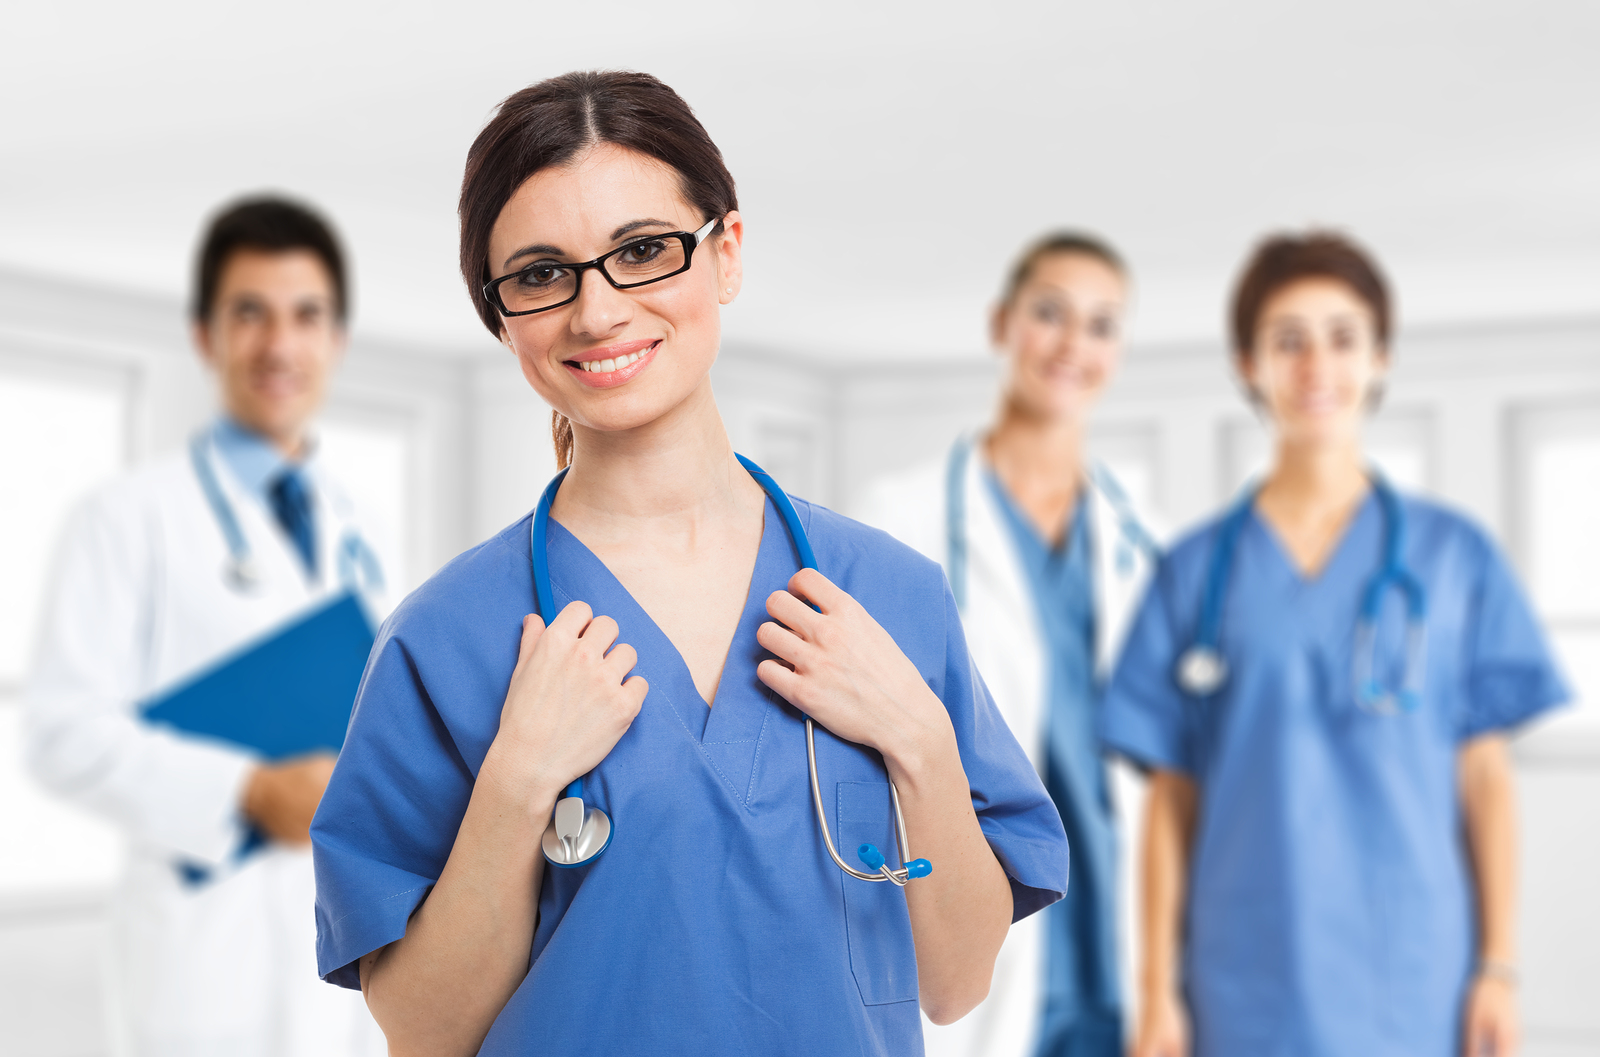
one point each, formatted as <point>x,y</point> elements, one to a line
<point>674,680</point>
<point>1330,844</point>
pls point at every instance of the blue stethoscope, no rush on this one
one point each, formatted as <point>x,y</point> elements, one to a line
<point>358,566</point>
<point>1202,670</point>
<point>578,832</point>
<point>1131,533</point>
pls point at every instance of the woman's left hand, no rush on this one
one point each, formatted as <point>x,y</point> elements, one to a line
<point>1491,1027</point>
<point>841,668</point>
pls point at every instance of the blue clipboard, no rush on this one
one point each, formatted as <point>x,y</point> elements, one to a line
<point>283,696</point>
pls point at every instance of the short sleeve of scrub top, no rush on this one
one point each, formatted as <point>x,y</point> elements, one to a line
<point>1511,675</point>
<point>1154,723</point>
<point>714,922</point>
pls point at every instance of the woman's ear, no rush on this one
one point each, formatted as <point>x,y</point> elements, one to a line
<point>1244,365</point>
<point>997,326</point>
<point>730,258</point>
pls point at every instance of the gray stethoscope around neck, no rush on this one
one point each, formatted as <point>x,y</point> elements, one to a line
<point>1202,670</point>
<point>358,566</point>
<point>1132,534</point>
<point>578,833</point>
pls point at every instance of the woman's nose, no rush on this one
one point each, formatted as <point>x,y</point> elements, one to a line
<point>600,307</point>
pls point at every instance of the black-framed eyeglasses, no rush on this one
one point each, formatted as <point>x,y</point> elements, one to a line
<point>547,284</point>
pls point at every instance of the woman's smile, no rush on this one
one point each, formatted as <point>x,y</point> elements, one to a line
<point>612,365</point>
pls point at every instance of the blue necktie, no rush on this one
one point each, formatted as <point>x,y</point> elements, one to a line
<point>291,503</point>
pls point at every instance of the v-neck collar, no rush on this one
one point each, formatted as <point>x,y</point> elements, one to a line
<point>1352,528</point>
<point>728,734</point>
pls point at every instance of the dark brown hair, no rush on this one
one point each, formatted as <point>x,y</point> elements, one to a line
<point>1283,259</point>
<point>276,225</point>
<point>550,123</point>
<point>1079,242</point>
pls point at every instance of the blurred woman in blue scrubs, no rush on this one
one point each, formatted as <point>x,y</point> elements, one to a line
<point>600,237</point>
<point>1328,870</point>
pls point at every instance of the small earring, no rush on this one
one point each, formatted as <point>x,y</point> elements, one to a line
<point>730,289</point>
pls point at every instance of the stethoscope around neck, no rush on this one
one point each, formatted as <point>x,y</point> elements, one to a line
<point>1132,536</point>
<point>358,566</point>
<point>578,832</point>
<point>1202,670</point>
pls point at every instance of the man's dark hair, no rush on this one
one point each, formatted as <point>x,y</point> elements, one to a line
<point>273,225</point>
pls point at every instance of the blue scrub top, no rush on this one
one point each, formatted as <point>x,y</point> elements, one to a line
<point>1082,1001</point>
<point>1331,905</point>
<point>715,922</point>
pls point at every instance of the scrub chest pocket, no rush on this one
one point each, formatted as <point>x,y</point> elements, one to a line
<point>877,921</point>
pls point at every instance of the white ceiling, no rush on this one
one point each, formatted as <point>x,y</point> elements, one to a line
<point>890,158</point>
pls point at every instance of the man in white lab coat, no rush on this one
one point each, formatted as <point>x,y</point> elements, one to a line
<point>161,574</point>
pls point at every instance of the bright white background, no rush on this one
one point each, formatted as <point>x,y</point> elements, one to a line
<point>890,158</point>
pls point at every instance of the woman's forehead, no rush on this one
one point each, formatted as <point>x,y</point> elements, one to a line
<point>1315,296</point>
<point>589,197</point>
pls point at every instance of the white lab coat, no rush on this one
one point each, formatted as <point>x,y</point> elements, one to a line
<point>1003,633</point>
<point>139,602</point>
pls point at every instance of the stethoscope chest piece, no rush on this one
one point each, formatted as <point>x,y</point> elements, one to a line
<point>1201,670</point>
<point>576,834</point>
<point>242,575</point>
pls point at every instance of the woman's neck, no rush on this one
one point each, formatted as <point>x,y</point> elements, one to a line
<point>1317,477</point>
<point>1039,460</point>
<point>680,467</point>
<point>1310,497</point>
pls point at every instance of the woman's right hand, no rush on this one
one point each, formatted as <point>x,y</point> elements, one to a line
<point>570,701</point>
<point>1163,1029</point>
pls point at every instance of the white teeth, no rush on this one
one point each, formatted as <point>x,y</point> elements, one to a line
<point>633,357</point>
<point>607,366</point>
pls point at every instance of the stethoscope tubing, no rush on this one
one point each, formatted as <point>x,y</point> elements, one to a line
<point>1133,533</point>
<point>242,573</point>
<point>544,598</point>
<point>1204,653</point>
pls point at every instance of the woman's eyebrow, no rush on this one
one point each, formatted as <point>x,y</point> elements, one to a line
<point>528,251</point>
<point>634,225</point>
<point>554,251</point>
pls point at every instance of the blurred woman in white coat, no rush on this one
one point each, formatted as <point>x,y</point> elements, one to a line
<point>162,574</point>
<point>1046,559</point>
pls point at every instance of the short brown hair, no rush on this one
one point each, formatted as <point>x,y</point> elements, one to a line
<point>1079,242</point>
<point>1282,259</point>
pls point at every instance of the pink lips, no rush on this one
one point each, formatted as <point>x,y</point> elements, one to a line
<point>646,351</point>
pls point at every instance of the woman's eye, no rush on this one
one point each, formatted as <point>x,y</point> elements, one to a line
<point>537,275</point>
<point>1289,341</point>
<point>1046,312</point>
<point>1103,327</point>
<point>643,252</point>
